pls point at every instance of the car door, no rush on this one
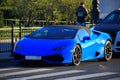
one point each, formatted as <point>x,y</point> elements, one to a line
<point>88,45</point>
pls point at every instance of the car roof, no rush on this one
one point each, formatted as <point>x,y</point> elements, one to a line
<point>66,26</point>
<point>71,26</point>
<point>116,11</point>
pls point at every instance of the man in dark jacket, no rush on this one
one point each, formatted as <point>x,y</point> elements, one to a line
<point>81,14</point>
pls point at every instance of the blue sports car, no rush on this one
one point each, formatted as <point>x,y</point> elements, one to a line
<point>63,44</point>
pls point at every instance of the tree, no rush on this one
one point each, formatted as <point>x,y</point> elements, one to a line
<point>1,19</point>
<point>4,6</point>
<point>49,10</point>
<point>26,10</point>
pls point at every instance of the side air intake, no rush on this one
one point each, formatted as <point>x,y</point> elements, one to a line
<point>97,54</point>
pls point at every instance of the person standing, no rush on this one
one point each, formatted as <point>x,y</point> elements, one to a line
<point>81,13</point>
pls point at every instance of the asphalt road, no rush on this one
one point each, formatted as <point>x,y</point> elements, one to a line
<point>34,70</point>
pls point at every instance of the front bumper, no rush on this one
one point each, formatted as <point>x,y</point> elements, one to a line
<point>53,59</point>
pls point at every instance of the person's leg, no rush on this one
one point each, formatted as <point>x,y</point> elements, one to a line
<point>77,23</point>
<point>83,24</point>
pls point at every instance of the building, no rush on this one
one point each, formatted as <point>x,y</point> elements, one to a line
<point>106,6</point>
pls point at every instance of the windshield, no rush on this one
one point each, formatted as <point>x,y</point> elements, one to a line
<point>113,18</point>
<point>53,33</point>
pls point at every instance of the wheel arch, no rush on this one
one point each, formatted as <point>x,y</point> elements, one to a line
<point>79,45</point>
<point>109,40</point>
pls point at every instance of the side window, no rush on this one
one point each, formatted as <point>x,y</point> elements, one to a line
<point>83,33</point>
<point>109,19</point>
<point>113,18</point>
<point>118,20</point>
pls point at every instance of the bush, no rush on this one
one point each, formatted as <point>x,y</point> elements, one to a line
<point>1,19</point>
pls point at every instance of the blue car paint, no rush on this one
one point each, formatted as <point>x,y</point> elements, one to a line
<point>41,51</point>
<point>64,47</point>
<point>111,25</point>
<point>96,43</point>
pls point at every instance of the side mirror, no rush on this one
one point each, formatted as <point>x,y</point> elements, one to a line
<point>25,35</point>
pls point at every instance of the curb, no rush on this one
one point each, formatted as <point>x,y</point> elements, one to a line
<point>5,56</point>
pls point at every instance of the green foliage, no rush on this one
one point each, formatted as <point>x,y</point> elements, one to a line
<point>49,10</point>
<point>1,19</point>
<point>17,21</point>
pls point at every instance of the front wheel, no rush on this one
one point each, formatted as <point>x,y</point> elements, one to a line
<point>108,51</point>
<point>76,57</point>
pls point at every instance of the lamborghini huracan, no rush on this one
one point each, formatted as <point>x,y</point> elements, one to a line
<point>58,44</point>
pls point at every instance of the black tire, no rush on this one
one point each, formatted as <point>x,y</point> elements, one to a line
<point>76,56</point>
<point>107,51</point>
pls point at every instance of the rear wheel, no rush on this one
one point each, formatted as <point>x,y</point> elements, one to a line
<point>76,57</point>
<point>107,51</point>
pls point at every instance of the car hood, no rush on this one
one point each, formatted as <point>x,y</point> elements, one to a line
<point>42,46</point>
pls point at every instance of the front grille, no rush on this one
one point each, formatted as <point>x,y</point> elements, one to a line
<point>54,58</point>
<point>18,56</point>
<point>118,43</point>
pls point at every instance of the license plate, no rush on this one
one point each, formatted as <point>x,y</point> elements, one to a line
<point>33,57</point>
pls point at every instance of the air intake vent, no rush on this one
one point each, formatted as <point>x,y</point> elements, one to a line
<point>54,58</point>
<point>97,53</point>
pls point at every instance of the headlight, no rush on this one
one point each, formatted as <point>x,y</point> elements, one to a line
<point>58,48</point>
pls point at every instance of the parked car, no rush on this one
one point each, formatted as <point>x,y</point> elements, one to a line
<point>111,24</point>
<point>64,44</point>
<point>116,45</point>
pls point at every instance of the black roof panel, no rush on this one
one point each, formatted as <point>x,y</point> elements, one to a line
<point>66,26</point>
